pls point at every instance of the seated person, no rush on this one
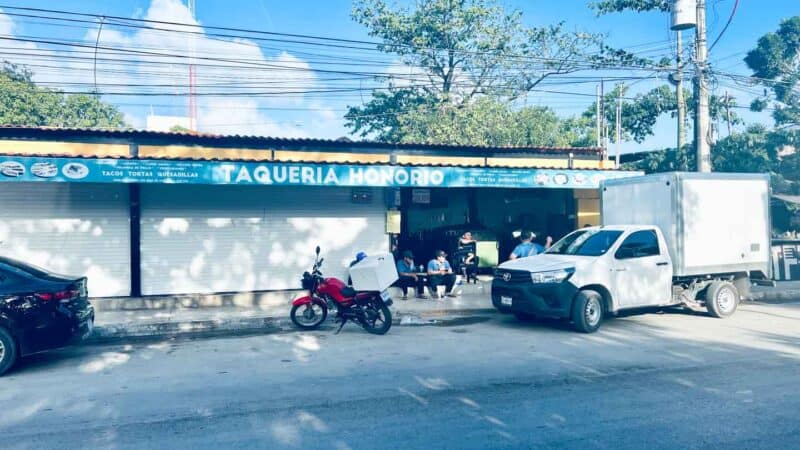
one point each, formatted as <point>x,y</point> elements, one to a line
<point>408,276</point>
<point>441,274</point>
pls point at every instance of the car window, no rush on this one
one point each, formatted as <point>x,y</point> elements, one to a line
<point>639,244</point>
<point>586,243</point>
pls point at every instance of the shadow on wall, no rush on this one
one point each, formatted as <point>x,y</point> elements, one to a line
<point>71,229</point>
<point>240,239</point>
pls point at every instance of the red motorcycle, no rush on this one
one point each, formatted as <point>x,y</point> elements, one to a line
<point>370,309</point>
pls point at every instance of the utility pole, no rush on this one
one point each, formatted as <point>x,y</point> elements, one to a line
<point>597,115</point>
<point>619,126</point>
<point>679,93</point>
<point>702,119</point>
<point>603,126</point>
<point>728,111</point>
<point>192,73</point>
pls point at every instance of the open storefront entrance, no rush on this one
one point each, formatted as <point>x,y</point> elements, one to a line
<point>434,219</point>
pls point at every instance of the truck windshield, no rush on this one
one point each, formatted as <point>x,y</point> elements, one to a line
<point>586,243</point>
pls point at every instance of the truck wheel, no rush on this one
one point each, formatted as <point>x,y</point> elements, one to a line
<point>587,311</point>
<point>722,298</point>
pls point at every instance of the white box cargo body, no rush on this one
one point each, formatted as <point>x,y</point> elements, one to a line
<point>374,273</point>
<point>712,222</point>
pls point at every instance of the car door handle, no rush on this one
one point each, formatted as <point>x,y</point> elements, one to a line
<point>620,270</point>
<point>662,264</point>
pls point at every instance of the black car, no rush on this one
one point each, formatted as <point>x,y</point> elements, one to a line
<point>39,311</point>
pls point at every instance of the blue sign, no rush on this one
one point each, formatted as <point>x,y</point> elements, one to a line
<point>31,169</point>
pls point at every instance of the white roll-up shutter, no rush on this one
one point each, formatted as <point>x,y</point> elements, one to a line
<point>72,229</point>
<point>202,239</point>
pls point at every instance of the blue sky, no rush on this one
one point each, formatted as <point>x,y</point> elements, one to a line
<point>321,116</point>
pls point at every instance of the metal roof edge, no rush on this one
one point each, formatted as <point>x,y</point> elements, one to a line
<point>33,132</point>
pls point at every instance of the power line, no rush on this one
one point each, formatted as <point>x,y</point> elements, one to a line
<point>730,19</point>
<point>309,39</point>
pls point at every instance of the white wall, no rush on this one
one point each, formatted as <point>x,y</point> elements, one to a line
<point>70,228</point>
<point>242,238</point>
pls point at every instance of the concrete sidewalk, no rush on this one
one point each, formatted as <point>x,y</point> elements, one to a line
<point>261,313</point>
<point>257,313</point>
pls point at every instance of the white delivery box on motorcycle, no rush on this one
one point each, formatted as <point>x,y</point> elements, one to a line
<point>374,273</point>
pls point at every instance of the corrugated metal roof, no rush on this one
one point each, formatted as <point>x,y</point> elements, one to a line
<point>7,131</point>
<point>354,162</point>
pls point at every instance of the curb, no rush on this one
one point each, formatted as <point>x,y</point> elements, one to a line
<point>199,329</point>
<point>776,297</point>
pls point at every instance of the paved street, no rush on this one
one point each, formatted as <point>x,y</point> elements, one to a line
<point>660,380</point>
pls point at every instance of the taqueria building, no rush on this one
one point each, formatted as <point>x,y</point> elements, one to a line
<point>145,213</point>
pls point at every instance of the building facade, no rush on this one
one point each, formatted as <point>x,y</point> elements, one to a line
<point>150,213</point>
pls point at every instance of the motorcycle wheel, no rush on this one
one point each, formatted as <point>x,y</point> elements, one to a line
<point>309,316</point>
<point>379,318</point>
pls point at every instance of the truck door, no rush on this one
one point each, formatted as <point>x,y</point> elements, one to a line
<point>642,271</point>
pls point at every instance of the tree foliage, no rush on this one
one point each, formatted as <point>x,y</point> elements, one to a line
<point>22,102</point>
<point>776,60</point>
<point>460,51</point>
<point>612,6</point>
<point>466,48</point>
<point>490,122</point>
<point>381,116</point>
<point>179,129</point>
<point>755,150</point>
<point>641,111</point>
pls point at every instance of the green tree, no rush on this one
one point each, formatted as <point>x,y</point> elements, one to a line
<point>472,47</point>
<point>776,61</point>
<point>755,150</point>
<point>22,102</point>
<point>381,117</point>
<point>641,111</point>
<point>179,129</point>
<point>612,6</point>
<point>463,50</point>
<point>489,122</point>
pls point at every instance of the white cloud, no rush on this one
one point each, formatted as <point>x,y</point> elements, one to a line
<point>271,83</point>
<point>7,26</point>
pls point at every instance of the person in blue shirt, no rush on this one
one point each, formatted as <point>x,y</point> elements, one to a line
<point>408,276</point>
<point>440,273</point>
<point>527,247</point>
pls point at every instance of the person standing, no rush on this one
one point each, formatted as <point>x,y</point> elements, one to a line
<point>408,277</point>
<point>465,258</point>
<point>526,247</point>
<point>441,274</point>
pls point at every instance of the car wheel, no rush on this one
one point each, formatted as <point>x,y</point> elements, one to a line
<point>722,299</point>
<point>8,351</point>
<point>587,311</point>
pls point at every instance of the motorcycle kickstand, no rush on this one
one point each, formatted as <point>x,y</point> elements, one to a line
<point>341,325</point>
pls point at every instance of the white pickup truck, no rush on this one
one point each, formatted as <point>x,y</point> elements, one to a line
<point>666,240</point>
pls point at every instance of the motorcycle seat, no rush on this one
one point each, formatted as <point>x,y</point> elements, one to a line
<point>348,292</point>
